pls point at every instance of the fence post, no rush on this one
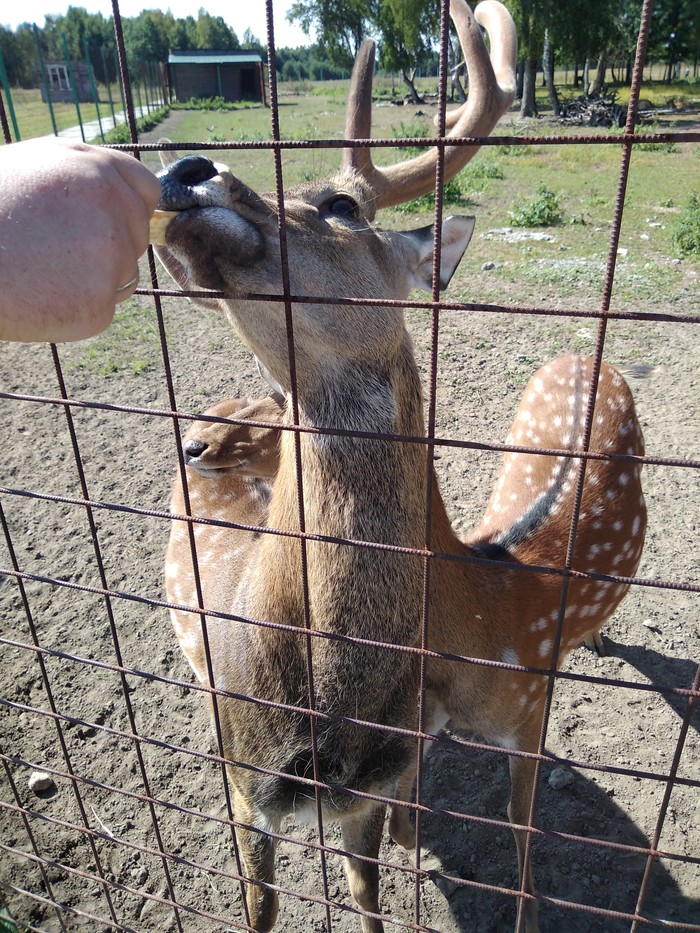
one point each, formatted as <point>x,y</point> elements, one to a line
<point>93,86</point>
<point>8,95</point>
<point>74,88</point>
<point>44,82</point>
<point>108,85</point>
<point>144,75</point>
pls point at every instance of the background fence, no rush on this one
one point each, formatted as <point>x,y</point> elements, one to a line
<point>132,831</point>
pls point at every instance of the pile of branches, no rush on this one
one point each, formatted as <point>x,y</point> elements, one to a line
<point>601,110</point>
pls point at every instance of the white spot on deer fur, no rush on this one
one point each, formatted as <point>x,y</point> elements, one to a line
<point>557,421</point>
<point>593,551</point>
<point>623,479</point>
<point>187,640</point>
<point>538,384</point>
<point>509,656</point>
<point>539,625</point>
<point>545,647</point>
<point>636,524</point>
<point>171,569</point>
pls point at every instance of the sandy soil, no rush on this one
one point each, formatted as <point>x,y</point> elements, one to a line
<point>129,459</point>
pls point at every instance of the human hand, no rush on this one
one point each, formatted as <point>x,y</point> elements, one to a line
<point>73,223</point>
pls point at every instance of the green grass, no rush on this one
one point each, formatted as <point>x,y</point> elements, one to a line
<point>498,181</point>
<point>686,233</point>
<point>130,346</point>
<point>34,119</point>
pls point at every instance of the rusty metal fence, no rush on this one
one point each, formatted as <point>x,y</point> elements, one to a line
<point>79,859</point>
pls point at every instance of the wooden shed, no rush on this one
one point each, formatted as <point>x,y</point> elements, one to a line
<point>209,73</point>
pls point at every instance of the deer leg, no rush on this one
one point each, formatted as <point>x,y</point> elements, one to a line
<point>522,781</point>
<point>258,853</point>
<point>362,834</point>
<point>400,828</point>
<point>594,642</point>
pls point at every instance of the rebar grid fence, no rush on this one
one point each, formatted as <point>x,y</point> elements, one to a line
<point>138,829</point>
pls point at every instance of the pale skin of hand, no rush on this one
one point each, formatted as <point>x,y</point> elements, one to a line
<point>73,224</point>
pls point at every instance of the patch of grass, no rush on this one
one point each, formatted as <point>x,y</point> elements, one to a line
<point>686,235</point>
<point>654,147</point>
<point>128,347</point>
<point>213,103</point>
<point>542,211</point>
<point>453,192</point>
<point>122,134</point>
<point>419,129</point>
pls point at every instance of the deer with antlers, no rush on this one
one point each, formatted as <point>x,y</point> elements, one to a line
<point>331,657</point>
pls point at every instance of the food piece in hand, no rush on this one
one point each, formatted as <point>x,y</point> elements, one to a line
<point>159,224</point>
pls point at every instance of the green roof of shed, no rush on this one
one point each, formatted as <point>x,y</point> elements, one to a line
<point>212,57</point>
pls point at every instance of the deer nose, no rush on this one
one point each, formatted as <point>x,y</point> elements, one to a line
<point>192,170</point>
<point>194,449</point>
<point>178,180</point>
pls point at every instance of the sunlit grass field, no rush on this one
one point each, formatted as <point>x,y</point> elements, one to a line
<point>563,265</point>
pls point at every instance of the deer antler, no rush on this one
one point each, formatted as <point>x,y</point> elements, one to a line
<point>491,92</point>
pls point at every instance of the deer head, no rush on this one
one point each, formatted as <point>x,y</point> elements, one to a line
<point>226,237</point>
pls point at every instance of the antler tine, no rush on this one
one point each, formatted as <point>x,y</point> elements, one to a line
<point>491,92</point>
<point>358,115</point>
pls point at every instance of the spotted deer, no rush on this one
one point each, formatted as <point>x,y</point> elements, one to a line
<point>231,469</point>
<point>356,372</point>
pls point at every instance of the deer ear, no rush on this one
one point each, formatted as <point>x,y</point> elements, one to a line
<point>456,234</point>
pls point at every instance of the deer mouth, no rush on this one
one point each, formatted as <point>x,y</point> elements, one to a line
<point>208,236</point>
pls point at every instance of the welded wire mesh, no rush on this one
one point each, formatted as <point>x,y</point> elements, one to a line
<point>138,831</point>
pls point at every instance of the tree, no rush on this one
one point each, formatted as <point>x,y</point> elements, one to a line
<point>17,50</point>
<point>340,25</point>
<point>408,29</point>
<point>212,32</point>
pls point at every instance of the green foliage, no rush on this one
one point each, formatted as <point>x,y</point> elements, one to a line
<point>686,235</point>
<point>483,169</point>
<point>543,211</point>
<point>653,147</point>
<point>454,192</point>
<point>121,134</point>
<point>418,129</point>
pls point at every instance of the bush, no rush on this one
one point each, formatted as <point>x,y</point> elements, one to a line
<point>544,211</point>
<point>686,235</point>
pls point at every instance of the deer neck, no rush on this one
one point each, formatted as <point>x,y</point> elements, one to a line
<point>375,481</point>
<point>359,489</point>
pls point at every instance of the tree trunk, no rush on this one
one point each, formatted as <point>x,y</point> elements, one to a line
<point>548,73</point>
<point>528,103</point>
<point>599,79</point>
<point>519,78</point>
<point>586,74</point>
<point>409,78</point>
<point>577,76</point>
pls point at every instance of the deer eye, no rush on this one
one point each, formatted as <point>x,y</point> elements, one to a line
<point>343,206</point>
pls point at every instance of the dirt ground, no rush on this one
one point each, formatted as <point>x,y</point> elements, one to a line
<point>129,459</point>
